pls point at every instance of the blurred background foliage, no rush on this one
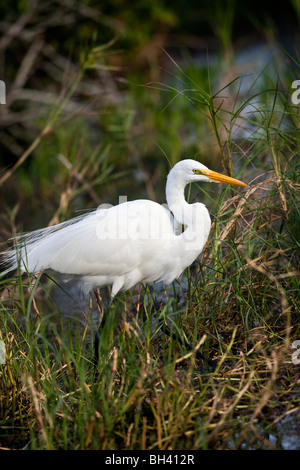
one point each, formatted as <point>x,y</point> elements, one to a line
<point>98,92</point>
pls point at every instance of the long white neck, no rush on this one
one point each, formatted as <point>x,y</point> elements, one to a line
<point>176,200</point>
<point>194,216</point>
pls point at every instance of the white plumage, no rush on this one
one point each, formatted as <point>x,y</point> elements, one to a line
<point>137,241</point>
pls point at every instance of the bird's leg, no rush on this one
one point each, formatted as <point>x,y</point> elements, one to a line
<point>155,301</point>
<point>105,313</point>
<point>97,334</point>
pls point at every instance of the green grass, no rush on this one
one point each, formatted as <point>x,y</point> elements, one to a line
<point>238,303</point>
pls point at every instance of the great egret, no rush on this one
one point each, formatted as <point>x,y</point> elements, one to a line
<point>137,241</point>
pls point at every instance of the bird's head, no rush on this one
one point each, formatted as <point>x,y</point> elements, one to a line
<point>193,171</point>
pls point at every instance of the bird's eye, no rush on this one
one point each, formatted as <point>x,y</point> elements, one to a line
<point>198,172</point>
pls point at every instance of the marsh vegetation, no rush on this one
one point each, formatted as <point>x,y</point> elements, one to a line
<point>104,112</point>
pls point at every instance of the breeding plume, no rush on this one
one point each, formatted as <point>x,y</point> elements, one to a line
<point>120,246</point>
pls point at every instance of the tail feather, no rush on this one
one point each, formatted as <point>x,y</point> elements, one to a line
<point>33,251</point>
<point>9,260</point>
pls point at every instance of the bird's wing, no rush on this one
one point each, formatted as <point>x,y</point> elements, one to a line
<point>107,241</point>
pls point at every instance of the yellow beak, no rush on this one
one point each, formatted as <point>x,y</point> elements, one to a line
<point>214,176</point>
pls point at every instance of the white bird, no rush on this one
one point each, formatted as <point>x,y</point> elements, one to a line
<point>137,241</point>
